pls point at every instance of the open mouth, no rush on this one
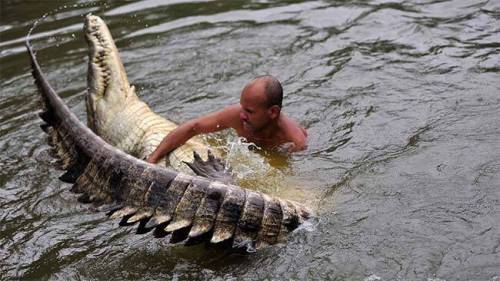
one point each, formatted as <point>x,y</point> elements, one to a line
<point>107,83</point>
<point>98,39</point>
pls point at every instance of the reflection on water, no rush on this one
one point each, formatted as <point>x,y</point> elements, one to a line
<point>400,100</point>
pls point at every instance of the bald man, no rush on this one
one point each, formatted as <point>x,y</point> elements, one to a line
<point>257,118</point>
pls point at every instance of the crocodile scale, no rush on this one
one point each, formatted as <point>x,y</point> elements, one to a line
<point>191,208</point>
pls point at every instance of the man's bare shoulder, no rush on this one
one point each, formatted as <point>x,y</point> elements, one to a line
<point>233,109</point>
<point>230,115</point>
<point>295,133</point>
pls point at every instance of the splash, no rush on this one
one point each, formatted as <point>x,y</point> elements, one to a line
<point>60,9</point>
<point>251,169</point>
<point>257,169</point>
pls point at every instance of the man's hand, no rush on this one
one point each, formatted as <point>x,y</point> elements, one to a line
<point>151,159</point>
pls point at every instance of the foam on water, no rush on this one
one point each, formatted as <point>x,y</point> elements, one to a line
<point>249,168</point>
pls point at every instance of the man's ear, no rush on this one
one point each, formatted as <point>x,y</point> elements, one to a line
<point>274,111</point>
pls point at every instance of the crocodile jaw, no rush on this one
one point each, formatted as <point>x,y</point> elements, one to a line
<point>108,86</point>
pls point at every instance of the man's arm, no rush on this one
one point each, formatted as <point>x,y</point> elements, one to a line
<point>209,123</point>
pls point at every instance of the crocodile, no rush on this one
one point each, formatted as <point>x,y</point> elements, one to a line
<point>109,173</point>
<point>116,114</point>
<point>114,110</point>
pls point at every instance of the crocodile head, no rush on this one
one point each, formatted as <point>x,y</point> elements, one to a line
<point>108,86</point>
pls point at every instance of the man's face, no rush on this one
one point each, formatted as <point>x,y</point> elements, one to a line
<point>254,111</point>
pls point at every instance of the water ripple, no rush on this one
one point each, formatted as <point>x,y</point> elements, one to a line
<point>400,100</point>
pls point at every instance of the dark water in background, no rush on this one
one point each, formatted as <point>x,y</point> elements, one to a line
<point>401,100</point>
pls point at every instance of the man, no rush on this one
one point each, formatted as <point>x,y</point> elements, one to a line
<point>258,119</point>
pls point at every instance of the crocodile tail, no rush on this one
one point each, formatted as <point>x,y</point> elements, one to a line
<point>194,210</point>
<point>188,208</point>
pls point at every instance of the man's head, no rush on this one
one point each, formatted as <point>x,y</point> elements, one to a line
<point>261,101</point>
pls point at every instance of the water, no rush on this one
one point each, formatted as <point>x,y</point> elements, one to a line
<point>400,99</point>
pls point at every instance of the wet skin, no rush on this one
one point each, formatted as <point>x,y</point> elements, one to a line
<point>252,119</point>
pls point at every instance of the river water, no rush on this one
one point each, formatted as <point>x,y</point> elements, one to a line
<point>401,100</point>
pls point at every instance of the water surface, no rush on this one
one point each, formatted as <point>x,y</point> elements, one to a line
<point>401,100</point>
